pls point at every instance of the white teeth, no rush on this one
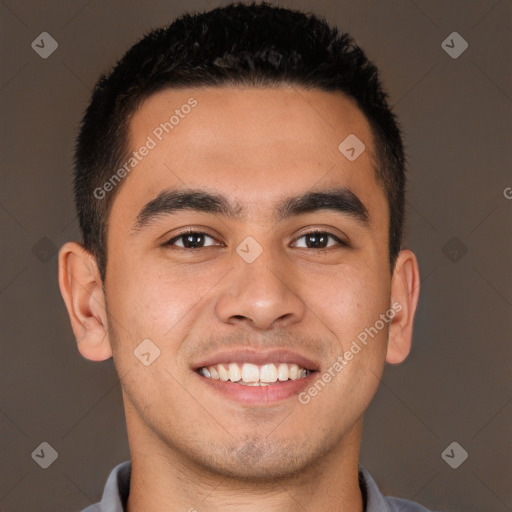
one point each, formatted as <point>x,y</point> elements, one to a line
<point>223,373</point>
<point>253,375</point>
<point>250,373</point>
<point>282,372</point>
<point>268,373</point>
<point>293,372</point>
<point>234,372</point>
<point>213,372</point>
<point>253,383</point>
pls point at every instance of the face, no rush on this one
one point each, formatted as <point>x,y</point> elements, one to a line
<point>252,283</point>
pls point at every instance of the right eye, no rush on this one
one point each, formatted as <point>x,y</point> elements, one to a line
<point>190,240</point>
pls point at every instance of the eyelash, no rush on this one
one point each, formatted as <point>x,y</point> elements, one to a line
<point>189,231</point>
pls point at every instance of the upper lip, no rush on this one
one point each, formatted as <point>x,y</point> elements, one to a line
<point>257,357</point>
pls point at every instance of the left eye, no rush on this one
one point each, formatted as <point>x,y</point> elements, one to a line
<point>318,239</point>
<point>196,240</point>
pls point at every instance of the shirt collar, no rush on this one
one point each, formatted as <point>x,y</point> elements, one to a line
<point>117,488</point>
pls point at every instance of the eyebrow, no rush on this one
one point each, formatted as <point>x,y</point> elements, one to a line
<point>341,200</point>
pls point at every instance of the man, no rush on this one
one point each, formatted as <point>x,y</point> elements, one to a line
<point>240,185</point>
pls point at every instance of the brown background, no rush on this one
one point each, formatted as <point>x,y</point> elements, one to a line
<point>456,384</point>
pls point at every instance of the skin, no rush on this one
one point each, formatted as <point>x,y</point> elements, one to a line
<point>193,448</point>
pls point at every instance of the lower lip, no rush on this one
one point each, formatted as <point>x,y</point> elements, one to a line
<point>259,394</point>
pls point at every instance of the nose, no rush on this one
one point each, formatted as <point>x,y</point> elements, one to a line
<point>262,294</point>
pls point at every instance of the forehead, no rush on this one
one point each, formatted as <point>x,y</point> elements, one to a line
<point>253,144</point>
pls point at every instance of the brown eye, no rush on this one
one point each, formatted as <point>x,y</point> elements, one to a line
<point>190,240</point>
<point>319,240</point>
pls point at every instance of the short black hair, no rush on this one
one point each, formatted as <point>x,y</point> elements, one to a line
<point>236,45</point>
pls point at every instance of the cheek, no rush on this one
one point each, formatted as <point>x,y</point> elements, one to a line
<point>350,307</point>
<point>349,301</point>
<point>153,306</point>
<point>160,301</point>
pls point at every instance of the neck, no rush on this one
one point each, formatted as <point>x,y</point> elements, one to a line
<point>164,479</point>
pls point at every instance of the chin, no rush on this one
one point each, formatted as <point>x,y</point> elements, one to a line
<point>262,460</point>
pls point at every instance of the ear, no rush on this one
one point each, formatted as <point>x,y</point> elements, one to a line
<point>81,288</point>
<point>405,291</point>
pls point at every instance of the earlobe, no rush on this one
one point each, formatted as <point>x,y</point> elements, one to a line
<point>81,288</point>
<point>405,290</point>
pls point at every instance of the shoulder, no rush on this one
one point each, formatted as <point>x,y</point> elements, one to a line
<point>375,501</point>
<point>115,493</point>
<point>401,505</point>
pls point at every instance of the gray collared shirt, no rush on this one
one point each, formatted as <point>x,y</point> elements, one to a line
<point>117,489</point>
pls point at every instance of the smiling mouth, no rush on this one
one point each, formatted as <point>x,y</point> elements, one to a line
<point>248,374</point>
